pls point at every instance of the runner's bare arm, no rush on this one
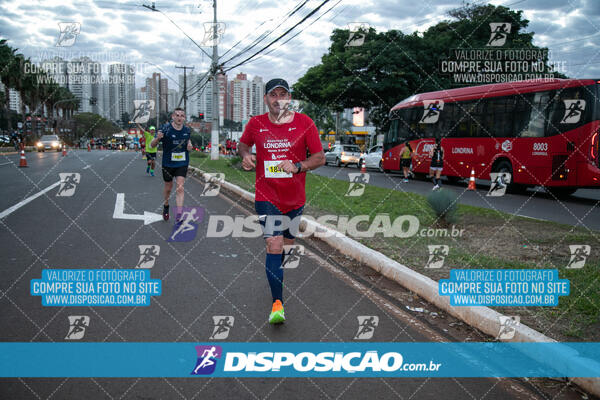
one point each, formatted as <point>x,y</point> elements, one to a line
<point>248,160</point>
<point>190,147</point>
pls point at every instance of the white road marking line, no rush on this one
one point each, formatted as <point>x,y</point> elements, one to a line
<point>147,217</point>
<point>27,200</point>
<point>86,167</point>
<point>6,163</point>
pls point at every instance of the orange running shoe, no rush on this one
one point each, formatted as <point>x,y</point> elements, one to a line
<point>277,316</point>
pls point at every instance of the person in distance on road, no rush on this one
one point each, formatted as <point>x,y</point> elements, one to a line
<point>150,151</point>
<point>282,137</point>
<point>405,159</point>
<point>175,137</point>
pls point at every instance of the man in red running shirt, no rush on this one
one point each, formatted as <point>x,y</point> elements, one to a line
<point>281,137</point>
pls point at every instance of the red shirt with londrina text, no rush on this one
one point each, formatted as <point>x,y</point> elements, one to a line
<point>276,143</point>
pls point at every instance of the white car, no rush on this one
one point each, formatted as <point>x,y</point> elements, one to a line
<point>373,158</point>
<point>49,142</point>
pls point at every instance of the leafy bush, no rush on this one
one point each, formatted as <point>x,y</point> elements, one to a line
<point>444,204</point>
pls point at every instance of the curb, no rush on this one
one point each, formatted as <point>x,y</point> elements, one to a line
<point>483,318</point>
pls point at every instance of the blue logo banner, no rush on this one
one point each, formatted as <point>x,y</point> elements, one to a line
<point>320,359</point>
<point>504,287</point>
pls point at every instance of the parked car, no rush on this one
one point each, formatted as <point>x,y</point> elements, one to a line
<point>4,140</point>
<point>49,142</point>
<point>343,154</point>
<point>373,158</point>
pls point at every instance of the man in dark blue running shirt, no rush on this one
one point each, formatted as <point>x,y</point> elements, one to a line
<point>175,137</point>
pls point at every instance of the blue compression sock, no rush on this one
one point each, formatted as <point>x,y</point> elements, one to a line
<point>275,275</point>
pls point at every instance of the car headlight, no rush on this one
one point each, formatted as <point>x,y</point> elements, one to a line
<point>39,144</point>
<point>54,144</point>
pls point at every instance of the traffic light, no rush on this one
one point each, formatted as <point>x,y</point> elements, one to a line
<point>201,116</point>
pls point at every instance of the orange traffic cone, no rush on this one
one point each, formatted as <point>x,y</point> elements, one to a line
<point>363,169</point>
<point>472,181</point>
<point>64,151</point>
<point>23,162</point>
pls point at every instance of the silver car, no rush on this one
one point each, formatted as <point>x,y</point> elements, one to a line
<point>343,154</point>
<point>373,158</point>
<point>49,142</point>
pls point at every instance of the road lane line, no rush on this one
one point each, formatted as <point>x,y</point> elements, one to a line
<point>27,200</point>
<point>6,163</point>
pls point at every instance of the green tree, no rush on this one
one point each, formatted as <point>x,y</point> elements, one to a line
<point>91,125</point>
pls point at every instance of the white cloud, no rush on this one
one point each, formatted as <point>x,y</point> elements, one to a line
<point>137,34</point>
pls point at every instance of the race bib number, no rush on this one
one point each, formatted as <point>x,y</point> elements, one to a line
<point>178,156</point>
<point>272,171</point>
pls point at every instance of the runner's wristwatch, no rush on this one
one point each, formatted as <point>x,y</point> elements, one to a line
<point>299,166</point>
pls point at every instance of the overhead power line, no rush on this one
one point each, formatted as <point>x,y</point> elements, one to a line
<point>302,30</point>
<point>263,35</point>
<point>281,36</point>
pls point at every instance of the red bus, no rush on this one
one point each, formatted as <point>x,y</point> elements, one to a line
<point>543,133</point>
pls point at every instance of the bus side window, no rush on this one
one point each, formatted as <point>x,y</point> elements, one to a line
<point>522,112</point>
<point>475,112</point>
<point>499,117</point>
<point>537,117</point>
<point>557,111</point>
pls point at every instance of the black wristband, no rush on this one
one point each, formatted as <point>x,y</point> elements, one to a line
<point>299,166</point>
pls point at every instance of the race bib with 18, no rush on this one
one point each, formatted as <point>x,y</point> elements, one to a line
<point>272,171</point>
<point>178,156</point>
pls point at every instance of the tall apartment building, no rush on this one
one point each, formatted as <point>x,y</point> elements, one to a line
<point>240,94</point>
<point>222,79</point>
<point>83,80</point>
<point>172,99</point>
<point>14,100</point>
<point>121,79</point>
<point>157,89</point>
<point>258,91</point>
<point>105,101</point>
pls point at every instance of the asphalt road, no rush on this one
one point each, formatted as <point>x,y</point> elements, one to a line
<point>202,278</point>
<point>581,209</point>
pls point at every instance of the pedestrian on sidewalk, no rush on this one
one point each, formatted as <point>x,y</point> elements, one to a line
<point>437,163</point>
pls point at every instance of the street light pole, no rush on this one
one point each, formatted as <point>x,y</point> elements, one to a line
<point>214,136</point>
<point>157,104</point>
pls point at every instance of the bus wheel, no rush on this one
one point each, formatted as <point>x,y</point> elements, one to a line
<point>505,166</point>
<point>560,192</point>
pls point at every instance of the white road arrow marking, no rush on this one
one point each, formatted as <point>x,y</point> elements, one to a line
<point>148,217</point>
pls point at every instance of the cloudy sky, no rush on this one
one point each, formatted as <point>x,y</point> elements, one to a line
<point>125,31</point>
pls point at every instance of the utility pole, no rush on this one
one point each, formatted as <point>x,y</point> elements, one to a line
<point>214,135</point>
<point>157,104</point>
<point>184,86</point>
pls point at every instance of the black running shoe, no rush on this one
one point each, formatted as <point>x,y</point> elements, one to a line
<point>166,212</point>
